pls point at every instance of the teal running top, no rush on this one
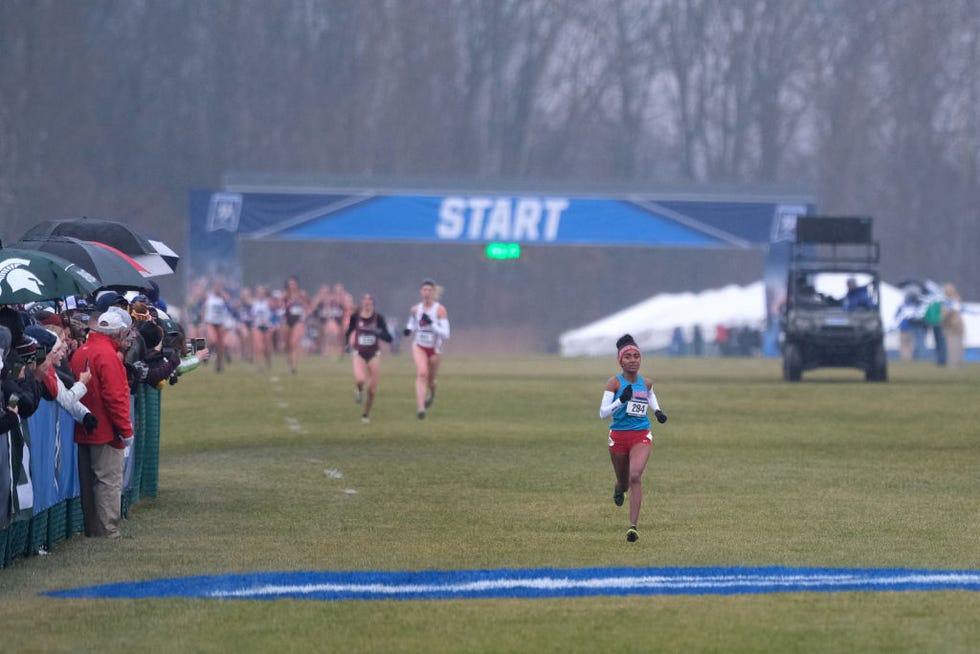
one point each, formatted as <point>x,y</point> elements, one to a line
<point>632,415</point>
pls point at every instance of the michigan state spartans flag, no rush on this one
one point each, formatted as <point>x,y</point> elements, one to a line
<point>22,490</point>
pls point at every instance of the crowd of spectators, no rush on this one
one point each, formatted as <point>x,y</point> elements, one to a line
<point>89,354</point>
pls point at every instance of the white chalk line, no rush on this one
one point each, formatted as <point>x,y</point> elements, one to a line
<point>691,582</point>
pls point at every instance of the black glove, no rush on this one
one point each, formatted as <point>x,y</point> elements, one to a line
<point>661,416</point>
<point>425,320</point>
<point>406,331</point>
<point>90,422</point>
<point>626,395</point>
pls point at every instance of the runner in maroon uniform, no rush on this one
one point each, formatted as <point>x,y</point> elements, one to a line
<point>364,333</point>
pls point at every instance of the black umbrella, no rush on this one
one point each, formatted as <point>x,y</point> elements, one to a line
<point>164,262</point>
<point>119,235</point>
<point>32,276</point>
<point>110,266</point>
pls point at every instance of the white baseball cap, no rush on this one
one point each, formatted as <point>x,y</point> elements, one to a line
<point>113,320</point>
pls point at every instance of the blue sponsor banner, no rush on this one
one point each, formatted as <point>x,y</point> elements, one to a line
<point>534,583</point>
<point>220,220</point>
<point>479,219</point>
<point>41,426</point>
<point>54,470</point>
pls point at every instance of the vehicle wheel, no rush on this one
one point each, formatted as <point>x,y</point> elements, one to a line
<point>792,363</point>
<point>878,368</point>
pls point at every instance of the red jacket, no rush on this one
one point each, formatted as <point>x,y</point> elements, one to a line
<point>108,392</point>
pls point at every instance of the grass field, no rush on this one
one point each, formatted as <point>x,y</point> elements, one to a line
<point>510,470</point>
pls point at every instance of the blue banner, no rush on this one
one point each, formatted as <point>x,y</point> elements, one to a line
<point>53,456</point>
<point>219,220</point>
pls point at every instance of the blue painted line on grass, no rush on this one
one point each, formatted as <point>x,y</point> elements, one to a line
<point>533,583</point>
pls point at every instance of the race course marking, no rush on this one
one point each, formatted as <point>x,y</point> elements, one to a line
<point>533,583</point>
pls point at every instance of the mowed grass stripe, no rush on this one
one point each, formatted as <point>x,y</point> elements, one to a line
<point>510,470</point>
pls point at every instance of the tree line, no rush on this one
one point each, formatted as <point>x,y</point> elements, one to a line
<point>118,109</point>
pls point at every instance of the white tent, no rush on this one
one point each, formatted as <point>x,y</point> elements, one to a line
<point>652,322</point>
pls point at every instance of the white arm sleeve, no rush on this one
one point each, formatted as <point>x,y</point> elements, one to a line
<point>441,327</point>
<point>608,405</point>
<point>654,405</point>
<point>410,324</point>
<point>69,399</point>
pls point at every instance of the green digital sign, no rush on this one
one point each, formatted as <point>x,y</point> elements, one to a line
<point>501,251</point>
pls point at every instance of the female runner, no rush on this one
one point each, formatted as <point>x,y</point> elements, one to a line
<point>296,304</point>
<point>262,329</point>
<point>430,322</point>
<point>216,313</point>
<point>366,328</point>
<point>626,399</point>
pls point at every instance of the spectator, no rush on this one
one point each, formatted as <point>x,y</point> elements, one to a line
<point>8,411</point>
<point>106,299</point>
<point>933,320</point>
<point>53,386</point>
<point>159,366</point>
<point>101,451</point>
<point>678,345</point>
<point>952,326</point>
<point>697,341</point>
<point>8,395</point>
<point>23,361</point>
<point>857,297</point>
<point>910,326</point>
<point>721,339</point>
<point>152,292</point>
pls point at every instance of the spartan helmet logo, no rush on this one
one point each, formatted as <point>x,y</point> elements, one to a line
<point>18,277</point>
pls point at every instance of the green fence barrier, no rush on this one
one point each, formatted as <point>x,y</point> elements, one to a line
<point>37,539</point>
<point>57,524</point>
<point>151,442</point>
<point>42,531</point>
<point>75,523</point>
<point>18,534</point>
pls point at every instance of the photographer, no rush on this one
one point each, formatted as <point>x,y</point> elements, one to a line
<point>22,362</point>
<point>9,391</point>
<point>160,362</point>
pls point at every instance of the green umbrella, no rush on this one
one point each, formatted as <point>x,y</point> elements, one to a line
<point>32,275</point>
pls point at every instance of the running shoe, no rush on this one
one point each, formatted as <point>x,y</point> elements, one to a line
<point>618,496</point>
<point>421,415</point>
<point>365,419</point>
<point>632,534</point>
<point>430,398</point>
<point>358,395</point>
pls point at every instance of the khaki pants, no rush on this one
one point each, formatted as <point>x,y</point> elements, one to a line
<point>954,349</point>
<point>100,475</point>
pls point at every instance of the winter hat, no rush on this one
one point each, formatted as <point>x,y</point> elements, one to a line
<point>107,299</point>
<point>139,311</point>
<point>152,291</point>
<point>10,318</point>
<point>26,348</point>
<point>151,333</point>
<point>44,338</point>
